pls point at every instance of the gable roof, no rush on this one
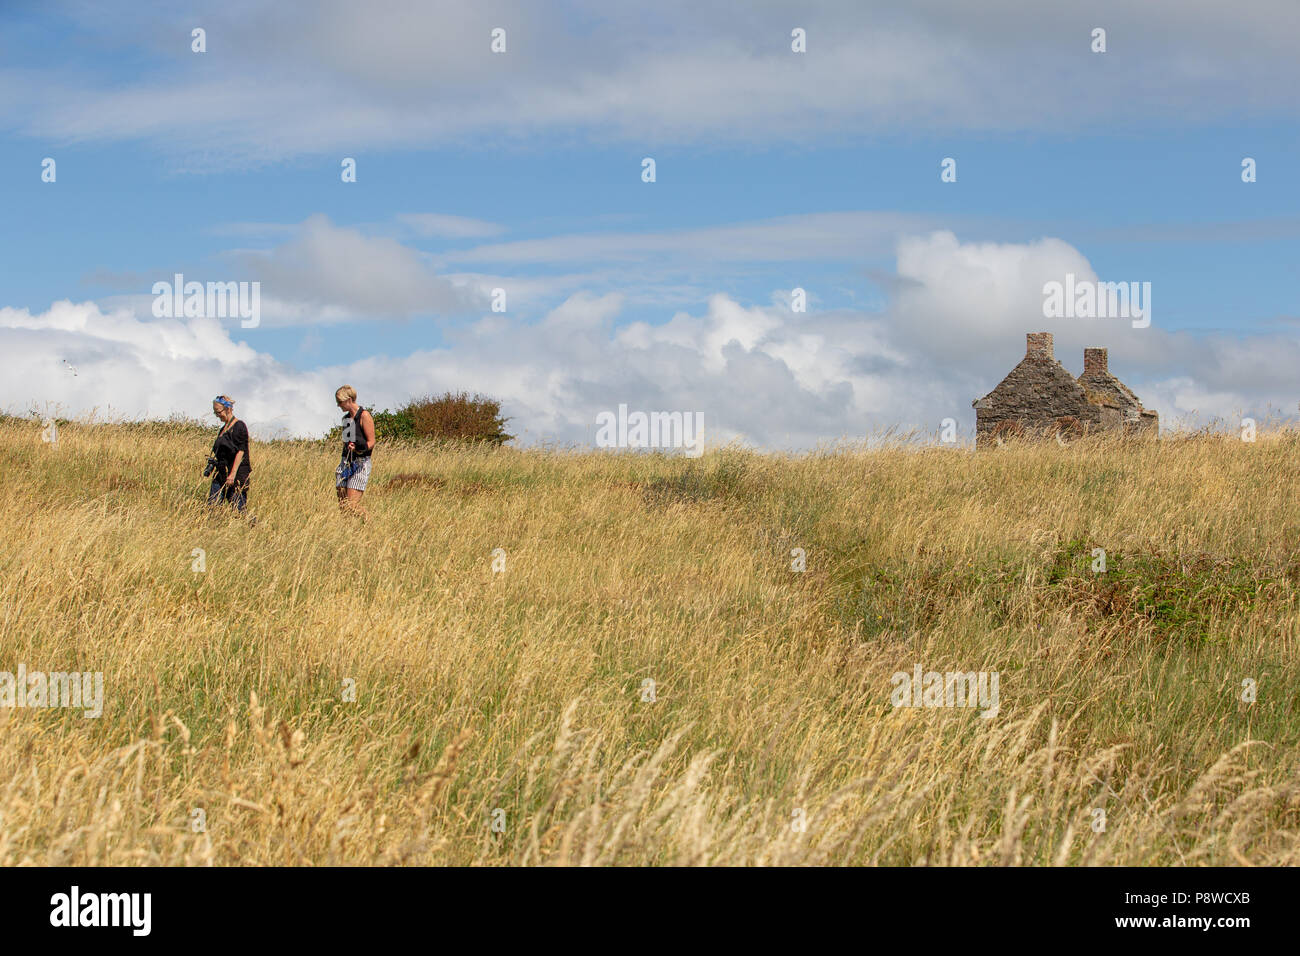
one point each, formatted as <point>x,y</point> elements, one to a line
<point>1035,375</point>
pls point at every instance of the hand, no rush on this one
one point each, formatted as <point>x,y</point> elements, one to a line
<point>230,481</point>
<point>352,446</point>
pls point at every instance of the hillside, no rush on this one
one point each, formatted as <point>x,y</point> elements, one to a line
<point>518,697</point>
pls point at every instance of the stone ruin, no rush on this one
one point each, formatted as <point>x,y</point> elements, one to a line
<point>1039,398</point>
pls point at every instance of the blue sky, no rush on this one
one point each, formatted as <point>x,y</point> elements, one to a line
<point>522,171</point>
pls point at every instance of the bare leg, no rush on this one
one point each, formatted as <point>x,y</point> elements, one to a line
<point>353,502</point>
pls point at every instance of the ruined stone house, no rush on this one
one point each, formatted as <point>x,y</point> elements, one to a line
<point>1040,398</point>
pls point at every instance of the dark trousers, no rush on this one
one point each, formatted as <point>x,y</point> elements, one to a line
<point>236,494</point>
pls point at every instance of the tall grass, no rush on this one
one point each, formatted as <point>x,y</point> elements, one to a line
<point>520,697</point>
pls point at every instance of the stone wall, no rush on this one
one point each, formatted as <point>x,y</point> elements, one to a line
<point>1040,397</point>
<point>1098,381</point>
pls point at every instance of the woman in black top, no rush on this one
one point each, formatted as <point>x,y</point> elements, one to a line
<point>230,478</point>
<point>353,472</point>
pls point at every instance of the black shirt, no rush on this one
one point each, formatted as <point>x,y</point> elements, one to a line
<point>361,451</point>
<point>233,439</point>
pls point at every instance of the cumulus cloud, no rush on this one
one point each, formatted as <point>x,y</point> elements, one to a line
<point>962,298</point>
<point>758,372</point>
<point>128,367</point>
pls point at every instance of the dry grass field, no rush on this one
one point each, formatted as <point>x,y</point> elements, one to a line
<point>519,697</point>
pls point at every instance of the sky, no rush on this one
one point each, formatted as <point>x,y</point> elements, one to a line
<point>522,171</point>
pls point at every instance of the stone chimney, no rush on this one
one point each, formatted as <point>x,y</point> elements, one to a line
<point>1039,344</point>
<point>1094,362</point>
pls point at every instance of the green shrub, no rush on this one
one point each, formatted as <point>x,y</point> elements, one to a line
<point>459,417</point>
<point>394,426</point>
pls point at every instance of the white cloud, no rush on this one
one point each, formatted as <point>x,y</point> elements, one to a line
<point>960,298</point>
<point>129,367</point>
<point>829,235</point>
<point>329,273</point>
<point>432,225</point>
<point>323,273</point>
<point>281,81</point>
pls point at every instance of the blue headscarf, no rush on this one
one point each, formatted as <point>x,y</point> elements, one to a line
<point>222,402</point>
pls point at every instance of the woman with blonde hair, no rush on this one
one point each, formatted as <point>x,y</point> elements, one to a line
<point>230,465</point>
<point>353,472</point>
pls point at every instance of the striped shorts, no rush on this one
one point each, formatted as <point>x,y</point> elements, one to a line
<point>352,474</point>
